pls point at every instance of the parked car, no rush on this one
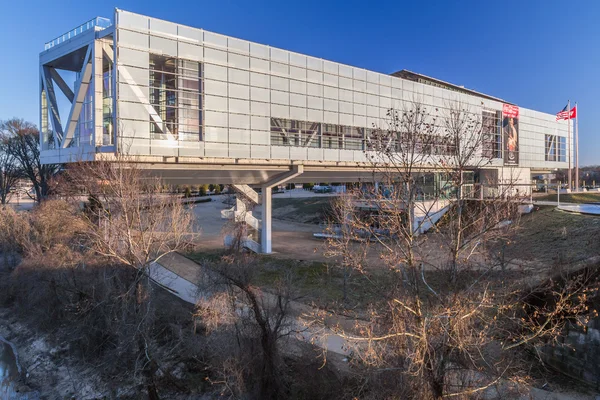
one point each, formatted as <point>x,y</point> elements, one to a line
<point>322,189</point>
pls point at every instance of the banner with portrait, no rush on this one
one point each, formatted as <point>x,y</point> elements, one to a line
<point>510,129</point>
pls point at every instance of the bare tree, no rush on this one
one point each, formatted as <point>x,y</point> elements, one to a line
<point>132,223</point>
<point>9,173</point>
<point>432,330</point>
<point>255,314</point>
<point>21,140</point>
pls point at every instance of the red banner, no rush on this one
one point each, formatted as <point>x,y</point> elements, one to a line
<point>510,111</point>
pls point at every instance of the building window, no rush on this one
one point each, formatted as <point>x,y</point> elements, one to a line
<point>176,98</point>
<point>556,148</point>
<point>491,130</point>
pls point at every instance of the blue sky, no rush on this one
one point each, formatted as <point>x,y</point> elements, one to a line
<point>537,54</point>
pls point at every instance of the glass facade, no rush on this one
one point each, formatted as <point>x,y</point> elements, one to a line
<point>175,88</point>
<point>491,127</point>
<point>556,148</point>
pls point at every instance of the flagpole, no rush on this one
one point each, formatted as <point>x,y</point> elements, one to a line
<point>569,142</point>
<point>577,146</point>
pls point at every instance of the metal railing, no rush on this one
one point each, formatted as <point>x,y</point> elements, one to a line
<point>99,22</point>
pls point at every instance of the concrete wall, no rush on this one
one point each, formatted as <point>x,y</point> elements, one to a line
<point>578,353</point>
<point>247,83</point>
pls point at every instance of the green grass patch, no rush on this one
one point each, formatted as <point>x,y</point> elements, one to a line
<point>584,197</point>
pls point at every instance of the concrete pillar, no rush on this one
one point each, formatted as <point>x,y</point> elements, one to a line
<point>266,232</point>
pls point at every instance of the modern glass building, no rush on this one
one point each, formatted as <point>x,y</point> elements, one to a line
<point>197,106</point>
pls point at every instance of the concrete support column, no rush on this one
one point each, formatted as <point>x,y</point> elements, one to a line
<point>266,232</point>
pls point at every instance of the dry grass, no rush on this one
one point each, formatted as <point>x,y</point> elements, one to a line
<point>550,236</point>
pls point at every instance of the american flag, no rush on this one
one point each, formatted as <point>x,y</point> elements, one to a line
<point>563,114</point>
<point>566,114</point>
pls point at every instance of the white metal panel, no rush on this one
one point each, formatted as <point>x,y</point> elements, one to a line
<point>258,108</point>
<point>133,40</point>
<point>280,152</point>
<point>330,105</point>
<point>126,93</point>
<point>346,119</point>
<point>331,154</point>
<point>330,67</point>
<point>280,111</point>
<point>345,70</point>
<point>297,100</point>
<point>385,91</point>
<point>298,153</point>
<point>215,56</point>
<point>215,87</point>
<point>314,102</point>
<point>314,63</point>
<point>372,100</point>
<point>167,148</point>
<point>313,89</point>
<point>360,86</point>
<point>331,80</point>
<point>314,115</point>
<point>258,64</point>
<point>396,82</point>
<point>346,155</point>
<point>164,27</point>
<point>215,40</point>
<point>239,121</point>
<point>239,61</point>
<point>260,137</point>
<point>258,123</point>
<point>346,95</point>
<point>315,153</point>
<point>330,117</point>
<point>281,56</point>
<point>239,136</point>
<point>330,92</point>
<point>164,46</point>
<point>190,51</point>
<point>191,149</point>
<point>260,80</point>
<point>372,111</point>
<point>259,94</point>
<point>213,71</point>
<point>216,134</point>
<point>239,91</point>
<point>298,60</point>
<point>133,111</point>
<point>214,118</point>
<point>259,50</point>
<point>263,152</point>
<point>347,108</point>
<point>298,113</point>
<point>216,149</point>
<point>345,83</point>
<point>372,88</point>
<point>385,80</point>
<point>298,73</point>
<point>314,76</point>
<point>359,74</point>
<point>297,87</point>
<point>278,97</point>
<point>359,97</point>
<point>280,69</point>
<point>239,106</point>
<point>279,83</point>
<point>359,121</point>
<point>239,76</point>
<point>137,76</point>
<point>190,34</point>
<point>372,77</point>
<point>134,129</point>
<point>134,58</point>
<point>132,21</point>
<point>238,45</point>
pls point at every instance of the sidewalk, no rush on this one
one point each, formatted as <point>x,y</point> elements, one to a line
<point>178,275</point>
